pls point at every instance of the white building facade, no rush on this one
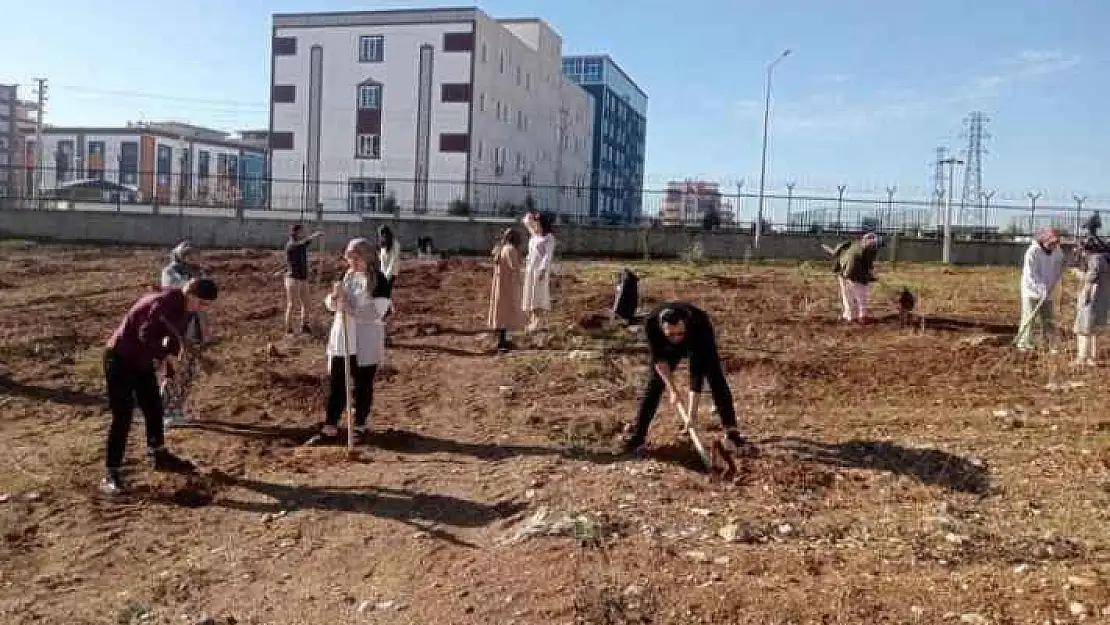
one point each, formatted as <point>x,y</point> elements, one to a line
<point>433,109</point>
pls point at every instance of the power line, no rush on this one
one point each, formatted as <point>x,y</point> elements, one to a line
<point>161,96</point>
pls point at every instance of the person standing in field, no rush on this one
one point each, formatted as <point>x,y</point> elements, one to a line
<point>537,269</point>
<point>1092,306</point>
<point>176,384</point>
<point>505,311</point>
<point>152,330</point>
<point>1042,268</point>
<point>677,331</point>
<point>389,257</point>
<point>296,277</point>
<point>361,298</point>
<point>855,269</point>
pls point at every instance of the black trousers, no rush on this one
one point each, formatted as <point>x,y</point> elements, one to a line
<point>363,378</point>
<point>129,384</point>
<point>718,386</point>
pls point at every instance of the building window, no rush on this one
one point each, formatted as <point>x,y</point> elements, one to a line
<point>518,75</point>
<point>478,154</point>
<point>63,160</point>
<point>368,146</point>
<point>284,94</point>
<point>501,62</point>
<point>370,97</point>
<point>520,120</point>
<point>528,82</point>
<point>458,42</point>
<point>95,160</point>
<point>482,102</point>
<point>364,195</point>
<point>499,111</point>
<point>284,46</point>
<point>483,53</point>
<point>129,162</point>
<point>164,165</point>
<point>454,142</point>
<point>371,49</point>
<point>455,92</point>
<point>281,141</point>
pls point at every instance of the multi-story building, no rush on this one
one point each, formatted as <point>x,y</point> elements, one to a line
<point>620,136</point>
<point>165,162</point>
<point>686,202</point>
<point>23,149</point>
<point>9,97</point>
<point>424,110</point>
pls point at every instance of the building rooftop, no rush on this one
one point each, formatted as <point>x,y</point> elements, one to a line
<point>608,59</point>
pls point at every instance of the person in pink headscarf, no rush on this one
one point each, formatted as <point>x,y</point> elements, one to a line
<point>1042,268</point>
<point>855,270</point>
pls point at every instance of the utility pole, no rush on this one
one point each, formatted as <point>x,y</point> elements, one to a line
<point>1033,197</point>
<point>1079,199</point>
<point>736,214</point>
<point>885,224</point>
<point>40,91</point>
<point>946,254</point>
<point>789,201</point>
<point>987,205</point>
<point>840,206</point>
<point>763,160</point>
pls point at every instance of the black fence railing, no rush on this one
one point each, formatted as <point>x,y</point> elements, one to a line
<point>782,212</point>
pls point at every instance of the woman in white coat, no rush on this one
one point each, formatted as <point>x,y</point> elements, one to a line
<point>537,268</point>
<point>361,298</point>
<point>1041,271</point>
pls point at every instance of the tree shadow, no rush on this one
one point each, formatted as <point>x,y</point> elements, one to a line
<point>69,397</point>
<point>928,466</point>
<point>419,510</point>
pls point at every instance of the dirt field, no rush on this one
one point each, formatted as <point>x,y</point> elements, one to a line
<point>905,477</point>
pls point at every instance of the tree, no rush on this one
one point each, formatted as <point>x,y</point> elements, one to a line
<point>711,220</point>
<point>458,208</point>
<point>390,204</point>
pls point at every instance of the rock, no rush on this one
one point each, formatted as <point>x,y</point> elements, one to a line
<point>365,606</point>
<point>5,497</point>
<point>721,561</point>
<point>584,354</point>
<point>1001,413</point>
<point>955,539</point>
<point>1082,581</point>
<point>505,391</point>
<point>786,529</point>
<point>696,556</point>
<point>1077,609</point>
<point>729,533</point>
<point>385,605</point>
<point>972,618</point>
<point>33,497</point>
<point>632,590</point>
<point>701,511</point>
<point>1021,569</point>
<point>205,620</point>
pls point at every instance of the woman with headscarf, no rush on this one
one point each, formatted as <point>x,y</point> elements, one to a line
<point>537,269</point>
<point>505,311</point>
<point>175,385</point>
<point>389,256</point>
<point>855,269</point>
<point>1042,268</point>
<point>1092,306</point>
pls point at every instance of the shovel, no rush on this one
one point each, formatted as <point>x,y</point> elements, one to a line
<point>694,438</point>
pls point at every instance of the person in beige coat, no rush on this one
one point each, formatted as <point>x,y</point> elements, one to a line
<point>505,310</point>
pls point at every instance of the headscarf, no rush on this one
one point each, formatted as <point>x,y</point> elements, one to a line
<point>1045,234</point>
<point>870,239</point>
<point>177,254</point>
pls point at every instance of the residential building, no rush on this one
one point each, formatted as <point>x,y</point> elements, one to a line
<point>9,96</point>
<point>619,139</point>
<point>166,162</point>
<point>686,202</point>
<point>438,108</point>
<point>23,149</point>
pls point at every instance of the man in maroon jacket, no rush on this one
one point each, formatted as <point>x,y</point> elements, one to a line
<point>151,331</point>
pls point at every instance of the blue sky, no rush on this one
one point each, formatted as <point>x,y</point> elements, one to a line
<point>873,86</point>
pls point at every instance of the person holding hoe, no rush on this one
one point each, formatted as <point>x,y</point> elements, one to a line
<point>176,385</point>
<point>677,331</point>
<point>152,330</point>
<point>1092,306</point>
<point>1042,268</point>
<point>356,342</point>
<point>855,271</point>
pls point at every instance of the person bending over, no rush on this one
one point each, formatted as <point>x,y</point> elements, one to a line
<point>152,330</point>
<point>677,331</point>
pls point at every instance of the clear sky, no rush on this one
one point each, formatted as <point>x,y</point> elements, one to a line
<point>872,86</point>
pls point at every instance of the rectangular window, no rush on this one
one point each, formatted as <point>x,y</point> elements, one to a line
<point>520,120</point>
<point>368,146</point>
<point>281,141</point>
<point>458,42</point>
<point>164,165</point>
<point>284,46</point>
<point>63,160</point>
<point>454,142</point>
<point>129,163</point>
<point>456,92</point>
<point>204,163</point>
<point>501,62</point>
<point>483,53</point>
<point>528,82</point>
<point>365,195</point>
<point>284,94</point>
<point>482,102</point>
<point>518,75</point>
<point>370,97</point>
<point>95,160</point>
<point>371,49</point>
<point>478,154</point>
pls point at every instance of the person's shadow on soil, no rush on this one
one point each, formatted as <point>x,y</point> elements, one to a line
<point>420,510</point>
<point>928,466</point>
<point>289,434</point>
<point>66,396</point>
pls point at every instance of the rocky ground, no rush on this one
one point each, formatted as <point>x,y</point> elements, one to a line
<point>906,475</point>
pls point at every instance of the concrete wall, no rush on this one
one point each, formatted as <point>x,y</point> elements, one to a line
<point>454,235</point>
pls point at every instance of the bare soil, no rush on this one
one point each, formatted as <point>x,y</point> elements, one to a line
<point>906,476</point>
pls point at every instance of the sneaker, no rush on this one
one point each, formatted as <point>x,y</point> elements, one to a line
<point>164,460</point>
<point>112,485</point>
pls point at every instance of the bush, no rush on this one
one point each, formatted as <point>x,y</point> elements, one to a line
<point>390,205</point>
<point>458,208</point>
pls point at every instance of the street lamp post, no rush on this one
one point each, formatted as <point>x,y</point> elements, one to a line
<point>987,206</point>
<point>1033,197</point>
<point>789,202</point>
<point>840,188</point>
<point>885,223</point>
<point>763,160</point>
<point>947,250</point>
<point>1079,199</point>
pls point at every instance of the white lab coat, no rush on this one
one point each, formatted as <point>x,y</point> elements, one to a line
<point>389,261</point>
<point>1041,272</point>
<point>365,328</point>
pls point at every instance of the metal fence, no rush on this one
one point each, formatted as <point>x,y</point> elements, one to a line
<point>784,212</point>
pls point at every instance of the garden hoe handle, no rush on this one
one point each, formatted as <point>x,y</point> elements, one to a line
<point>682,414</point>
<point>348,386</point>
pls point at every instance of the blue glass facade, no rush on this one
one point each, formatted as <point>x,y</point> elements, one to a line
<point>620,135</point>
<point>252,179</point>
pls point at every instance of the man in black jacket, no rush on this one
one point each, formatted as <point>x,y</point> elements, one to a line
<point>676,331</point>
